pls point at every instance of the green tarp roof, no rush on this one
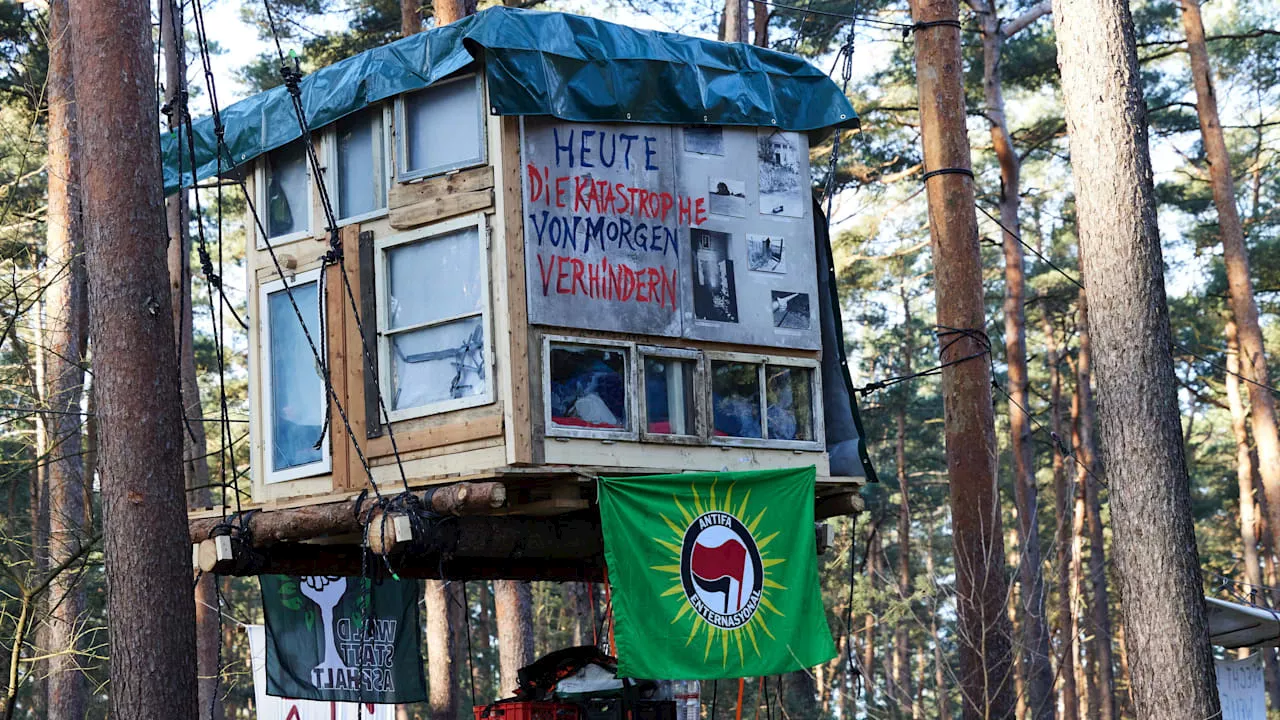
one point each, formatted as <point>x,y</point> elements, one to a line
<point>538,63</point>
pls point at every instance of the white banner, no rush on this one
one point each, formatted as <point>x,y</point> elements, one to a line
<point>278,708</point>
<point>1240,688</point>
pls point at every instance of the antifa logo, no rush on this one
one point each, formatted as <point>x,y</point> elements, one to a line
<point>721,570</point>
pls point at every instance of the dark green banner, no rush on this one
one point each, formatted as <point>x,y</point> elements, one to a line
<point>715,574</point>
<point>338,638</point>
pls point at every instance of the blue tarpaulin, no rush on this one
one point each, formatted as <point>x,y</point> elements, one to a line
<point>538,63</point>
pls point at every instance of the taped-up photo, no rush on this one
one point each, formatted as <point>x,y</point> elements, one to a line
<point>727,197</point>
<point>779,156</point>
<point>704,140</point>
<point>764,253</point>
<point>715,294</point>
<point>791,310</point>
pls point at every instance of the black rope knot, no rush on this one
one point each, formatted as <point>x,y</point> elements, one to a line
<point>291,74</point>
<point>906,31</point>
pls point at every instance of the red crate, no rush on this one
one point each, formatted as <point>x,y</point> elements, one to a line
<point>527,711</point>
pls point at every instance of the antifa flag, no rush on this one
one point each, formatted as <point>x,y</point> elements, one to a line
<point>346,639</point>
<point>714,575</point>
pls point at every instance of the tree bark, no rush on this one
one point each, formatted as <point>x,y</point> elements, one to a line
<point>578,605</point>
<point>1142,452</point>
<point>736,22</point>
<point>442,600</point>
<point>984,632</point>
<point>1086,689</point>
<point>869,620</point>
<point>513,605</point>
<point>1063,529</point>
<point>1035,663</point>
<point>1244,468</point>
<point>760,23</point>
<point>1102,695</point>
<point>940,689</point>
<point>150,609</point>
<point>65,339</point>
<point>448,11</point>
<point>410,17</point>
<point>1235,257</point>
<point>195,465</point>
<point>901,685</point>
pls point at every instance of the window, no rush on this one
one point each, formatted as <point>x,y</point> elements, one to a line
<point>441,128</point>
<point>735,399</point>
<point>286,193</point>
<point>293,388</point>
<point>359,157</point>
<point>433,319</point>
<point>789,402</point>
<point>587,391</point>
<point>670,404</point>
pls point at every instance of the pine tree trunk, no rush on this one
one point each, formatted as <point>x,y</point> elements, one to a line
<point>736,22</point>
<point>901,679</point>
<point>940,689</point>
<point>869,620</point>
<point>985,649</point>
<point>1102,693</point>
<point>578,606</point>
<point>1086,689</point>
<point>1235,257</point>
<point>65,338</point>
<point>195,465</point>
<point>150,610</point>
<point>1066,674</point>
<point>513,603</point>
<point>1244,468</point>
<point>1035,662</point>
<point>442,649</point>
<point>1140,430</point>
<point>410,17</point>
<point>448,11</point>
<point>760,23</point>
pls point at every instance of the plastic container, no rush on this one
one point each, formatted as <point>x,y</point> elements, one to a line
<point>688,696</point>
<point>527,711</point>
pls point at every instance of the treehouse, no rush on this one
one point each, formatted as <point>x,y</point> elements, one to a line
<point>567,249</point>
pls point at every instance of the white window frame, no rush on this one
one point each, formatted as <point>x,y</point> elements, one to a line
<point>550,429</point>
<point>763,362</point>
<point>401,134</point>
<point>815,403</point>
<point>260,194</point>
<point>699,434</point>
<point>324,465</point>
<point>385,333</point>
<point>330,170</point>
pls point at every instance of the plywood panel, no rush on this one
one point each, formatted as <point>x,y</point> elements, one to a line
<point>485,426</point>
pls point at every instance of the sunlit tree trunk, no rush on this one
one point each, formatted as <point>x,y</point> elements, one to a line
<point>1139,425</point>
<point>513,603</point>
<point>901,671</point>
<point>150,609</point>
<point>736,22</point>
<point>65,340</point>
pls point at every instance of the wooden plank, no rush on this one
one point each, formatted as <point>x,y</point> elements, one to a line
<point>438,436</point>
<point>354,474</point>
<point>406,194</point>
<point>335,338</point>
<point>440,207</point>
<point>418,454</point>
<point>516,397</point>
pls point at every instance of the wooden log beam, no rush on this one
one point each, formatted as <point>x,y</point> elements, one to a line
<point>306,559</point>
<point>342,518</point>
<point>837,505</point>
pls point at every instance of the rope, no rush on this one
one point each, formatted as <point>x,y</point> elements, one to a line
<point>943,331</point>
<point>947,171</point>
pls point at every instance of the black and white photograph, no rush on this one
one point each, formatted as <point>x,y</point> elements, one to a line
<point>764,253</point>
<point>715,294</point>
<point>727,197</point>
<point>704,140</point>
<point>790,310</point>
<point>779,155</point>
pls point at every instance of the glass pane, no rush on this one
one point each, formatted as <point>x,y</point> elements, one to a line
<point>297,388</point>
<point>288,196</point>
<point>588,387</point>
<point>668,388</point>
<point>789,397</point>
<point>434,279</point>
<point>361,171</point>
<point>443,126</point>
<point>735,399</point>
<point>438,363</point>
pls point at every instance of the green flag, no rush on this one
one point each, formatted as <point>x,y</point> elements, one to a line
<point>714,574</point>
<point>337,638</point>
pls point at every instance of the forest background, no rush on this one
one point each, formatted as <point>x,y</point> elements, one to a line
<point>888,581</point>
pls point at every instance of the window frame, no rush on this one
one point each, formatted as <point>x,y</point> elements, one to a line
<point>551,429</point>
<point>819,441</point>
<point>402,174</point>
<point>699,435</point>
<point>260,197</point>
<point>324,465</point>
<point>330,170</point>
<point>382,276</point>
